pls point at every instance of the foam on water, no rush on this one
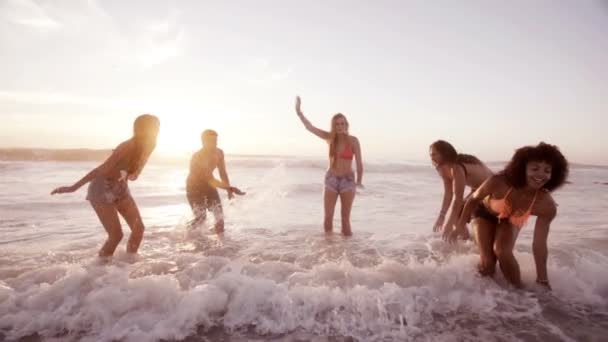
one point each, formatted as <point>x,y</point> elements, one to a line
<point>275,276</point>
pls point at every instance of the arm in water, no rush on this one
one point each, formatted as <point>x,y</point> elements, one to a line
<point>539,243</point>
<point>458,184</point>
<point>447,197</point>
<point>488,187</point>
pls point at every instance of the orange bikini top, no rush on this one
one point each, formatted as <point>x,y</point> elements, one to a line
<point>504,210</point>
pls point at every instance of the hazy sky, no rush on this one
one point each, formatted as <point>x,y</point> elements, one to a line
<point>488,76</point>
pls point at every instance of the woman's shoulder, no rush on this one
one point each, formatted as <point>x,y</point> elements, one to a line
<point>498,180</point>
<point>545,204</point>
<point>124,147</point>
<point>124,144</point>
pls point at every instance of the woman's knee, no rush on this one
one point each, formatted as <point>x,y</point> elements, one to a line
<point>138,229</point>
<point>116,236</point>
<point>503,251</point>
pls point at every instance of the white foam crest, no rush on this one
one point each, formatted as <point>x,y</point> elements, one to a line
<point>586,282</point>
<point>153,299</point>
<point>109,303</point>
<point>104,303</point>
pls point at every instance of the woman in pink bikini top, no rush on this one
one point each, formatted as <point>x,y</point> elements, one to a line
<point>340,177</point>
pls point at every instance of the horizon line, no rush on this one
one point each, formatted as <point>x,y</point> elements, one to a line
<point>166,155</point>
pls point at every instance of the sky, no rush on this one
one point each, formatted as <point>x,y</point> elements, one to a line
<point>488,76</point>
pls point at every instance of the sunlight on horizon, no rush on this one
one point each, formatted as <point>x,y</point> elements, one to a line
<point>402,84</point>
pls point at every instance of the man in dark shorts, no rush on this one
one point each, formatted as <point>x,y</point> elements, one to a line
<point>201,186</point>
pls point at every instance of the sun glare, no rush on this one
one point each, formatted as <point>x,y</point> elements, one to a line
<point>181,133</point>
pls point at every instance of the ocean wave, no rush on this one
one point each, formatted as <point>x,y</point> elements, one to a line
<point>246,291</point>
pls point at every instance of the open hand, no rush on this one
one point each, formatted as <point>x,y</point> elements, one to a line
<point>63,190</point>
<point>447,231</point>
<point>456,232</point>
<point>235,190</point>
<point>439,223</point>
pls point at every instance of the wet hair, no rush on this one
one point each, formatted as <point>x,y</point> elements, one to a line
<point>515,171</point>
<point>142,127</point>
<point>333,136</point>
<point>449,155</point>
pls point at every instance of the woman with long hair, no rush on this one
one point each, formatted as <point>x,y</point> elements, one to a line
<point>108,190</point>
<point>340,177</point>
<point>457,171</point>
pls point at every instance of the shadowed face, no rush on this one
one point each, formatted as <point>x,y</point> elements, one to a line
<point>210,140</point>
<point>435,156</point>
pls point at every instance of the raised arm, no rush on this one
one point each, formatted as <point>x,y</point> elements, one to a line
<point>539,243</point>
<point>314,130</point>
<point>447,197</point>
<point>102,169</point>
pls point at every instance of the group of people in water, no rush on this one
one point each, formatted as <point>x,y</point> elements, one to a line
<point>497,207</point>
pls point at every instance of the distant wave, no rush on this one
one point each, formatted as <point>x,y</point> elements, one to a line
<point>41,154</point>
<point>245,161</point>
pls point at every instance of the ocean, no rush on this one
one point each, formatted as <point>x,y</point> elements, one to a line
<point>274,275</point>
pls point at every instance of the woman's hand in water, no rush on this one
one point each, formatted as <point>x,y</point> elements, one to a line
<point>463,231</point>
<point>235,191</point>
<point>360,186</point>
<point>439,223</point>
<point>64,190</point>
<point>298,104</point>
<point>447,231</point>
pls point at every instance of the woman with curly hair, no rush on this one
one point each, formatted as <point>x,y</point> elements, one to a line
<point>503,204</point>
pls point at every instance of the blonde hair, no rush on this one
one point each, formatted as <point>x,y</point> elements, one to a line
<point>333,137</point>
<point>145,126</point>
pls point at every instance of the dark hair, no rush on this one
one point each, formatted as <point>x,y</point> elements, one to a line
<point>449,155</point>
<point>142,126</point>
<point>515,171</point>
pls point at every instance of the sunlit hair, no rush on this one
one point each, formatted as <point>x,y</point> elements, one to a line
<point>515,171</point>
<point>449,155</point>
<point>145,130</point>
<point>208,132</point>
<point>333,136</point>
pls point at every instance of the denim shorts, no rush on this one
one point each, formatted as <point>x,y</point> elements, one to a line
<point>106,190</point>
<point>340,184</point>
